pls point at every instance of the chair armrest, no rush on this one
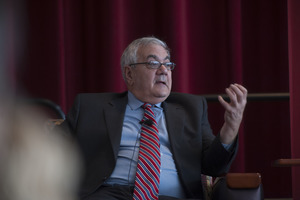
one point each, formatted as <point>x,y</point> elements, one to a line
<point>238,186</point>
<point>243,180</point>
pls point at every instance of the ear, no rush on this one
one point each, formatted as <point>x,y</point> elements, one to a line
<point>129,73</point>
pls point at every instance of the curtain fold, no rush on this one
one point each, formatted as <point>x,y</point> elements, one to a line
<point>62,55</point>
<point>294,66</point>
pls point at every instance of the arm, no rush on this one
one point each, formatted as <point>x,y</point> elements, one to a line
<point>233,112</point>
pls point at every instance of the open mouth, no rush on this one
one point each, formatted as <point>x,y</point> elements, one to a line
<point>161,82</point>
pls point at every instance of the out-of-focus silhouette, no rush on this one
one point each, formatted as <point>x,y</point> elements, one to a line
<point>35,163</point>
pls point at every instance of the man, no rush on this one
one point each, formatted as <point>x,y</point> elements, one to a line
<point>109,127</point>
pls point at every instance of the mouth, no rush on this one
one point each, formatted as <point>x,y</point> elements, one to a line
<point>161,82</point>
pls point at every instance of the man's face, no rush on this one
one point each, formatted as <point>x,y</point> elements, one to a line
<point>150,85</point>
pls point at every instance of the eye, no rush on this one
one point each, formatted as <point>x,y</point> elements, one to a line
<point>168,64</point>
<point>153,63</point>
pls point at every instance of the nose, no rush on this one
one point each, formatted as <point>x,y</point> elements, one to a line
<point>162,69</point>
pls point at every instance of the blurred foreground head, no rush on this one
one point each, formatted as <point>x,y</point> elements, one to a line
<point>37,164</point>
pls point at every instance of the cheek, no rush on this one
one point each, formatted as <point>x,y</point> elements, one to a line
<point>144,82</point>
<point>170,78</point>
<point>147,78</point>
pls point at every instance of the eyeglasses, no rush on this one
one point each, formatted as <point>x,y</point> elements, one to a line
<point>156,65</point>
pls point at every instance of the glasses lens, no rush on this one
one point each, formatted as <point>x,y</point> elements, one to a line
<point>154,64</point>
<point>170,65</point>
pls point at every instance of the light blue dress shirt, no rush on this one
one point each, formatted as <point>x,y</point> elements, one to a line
<point>125,170</point>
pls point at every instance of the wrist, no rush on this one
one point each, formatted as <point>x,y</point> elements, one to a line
<point>228,134</point>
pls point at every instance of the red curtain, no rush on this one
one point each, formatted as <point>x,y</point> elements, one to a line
<point>294,66</point>
<point>73,46</point>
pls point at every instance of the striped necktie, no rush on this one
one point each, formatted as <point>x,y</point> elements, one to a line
<point>148,167</point>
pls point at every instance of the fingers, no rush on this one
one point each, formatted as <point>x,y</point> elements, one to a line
<point>223,102</point>
<point>237,93</point>
<point>230,91</point>
<point>242,91</point>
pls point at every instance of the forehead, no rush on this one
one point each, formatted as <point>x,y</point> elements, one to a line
<point>152,51</point>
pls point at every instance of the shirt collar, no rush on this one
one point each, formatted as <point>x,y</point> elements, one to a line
<point>134,103</point>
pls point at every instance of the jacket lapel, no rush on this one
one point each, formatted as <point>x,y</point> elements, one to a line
<point>114,117</point>
<point>175,123</point>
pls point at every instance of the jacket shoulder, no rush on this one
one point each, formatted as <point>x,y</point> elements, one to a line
<point>183,98</point>
<point>99,97</point>
<point>187,101</point>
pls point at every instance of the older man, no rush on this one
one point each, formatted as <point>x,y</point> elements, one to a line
<point>149,143</point>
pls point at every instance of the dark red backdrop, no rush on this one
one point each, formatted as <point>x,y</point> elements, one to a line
<point>72,46</point>
<point>294,66</point>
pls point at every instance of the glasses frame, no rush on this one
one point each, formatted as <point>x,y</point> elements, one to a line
<point>148,64</point>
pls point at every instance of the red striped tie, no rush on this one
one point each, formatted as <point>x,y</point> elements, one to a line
<point>148,167</point>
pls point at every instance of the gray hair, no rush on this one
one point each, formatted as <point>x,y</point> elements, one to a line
<point>129,55</point>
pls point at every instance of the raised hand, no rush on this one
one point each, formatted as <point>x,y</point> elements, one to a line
<point>233,112</point>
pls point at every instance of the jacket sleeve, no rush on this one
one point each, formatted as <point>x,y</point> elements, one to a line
<point>216,160</point>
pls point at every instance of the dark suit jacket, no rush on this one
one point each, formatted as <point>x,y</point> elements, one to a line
<point>96,122</point>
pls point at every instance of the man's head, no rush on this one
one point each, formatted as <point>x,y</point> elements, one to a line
<point>147,82</point>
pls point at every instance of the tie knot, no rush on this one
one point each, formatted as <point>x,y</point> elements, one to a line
<point>146,105</point>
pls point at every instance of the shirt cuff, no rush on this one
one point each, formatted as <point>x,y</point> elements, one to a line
<point>227,146</point>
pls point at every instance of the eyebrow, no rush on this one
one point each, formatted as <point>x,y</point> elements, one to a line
<point>156,58</point>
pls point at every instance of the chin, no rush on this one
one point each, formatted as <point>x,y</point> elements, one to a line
<point>163,95</point>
